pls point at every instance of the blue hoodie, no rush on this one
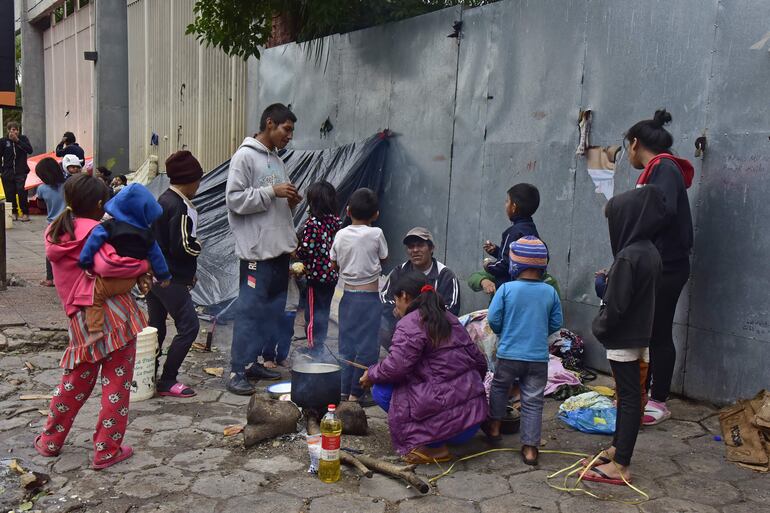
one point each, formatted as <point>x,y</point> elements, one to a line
<point>133,211</point>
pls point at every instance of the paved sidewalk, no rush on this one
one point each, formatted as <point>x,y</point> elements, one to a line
<point>183,462</point>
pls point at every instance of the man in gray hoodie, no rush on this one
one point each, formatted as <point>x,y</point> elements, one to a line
<point>260,200</point>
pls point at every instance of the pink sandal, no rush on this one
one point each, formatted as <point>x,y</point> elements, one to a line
<point>44,451</point>
<point>178,390</point>
<point>125,453</point>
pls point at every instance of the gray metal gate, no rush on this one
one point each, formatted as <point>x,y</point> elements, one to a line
<point>473,116</point>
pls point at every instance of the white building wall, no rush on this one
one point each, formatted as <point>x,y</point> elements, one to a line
<point>69,79</point>
<point>193,97</point>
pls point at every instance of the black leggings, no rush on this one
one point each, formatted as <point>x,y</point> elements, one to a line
<point>175,301</point>
<point>629,391</point>
<point>662,350</point>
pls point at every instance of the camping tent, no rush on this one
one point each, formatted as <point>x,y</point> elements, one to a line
<point>347,167</point>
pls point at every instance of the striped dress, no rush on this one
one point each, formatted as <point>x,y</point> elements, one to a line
<point>123,320</point>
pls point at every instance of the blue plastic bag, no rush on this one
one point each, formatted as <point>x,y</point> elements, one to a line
<point>591,420</point>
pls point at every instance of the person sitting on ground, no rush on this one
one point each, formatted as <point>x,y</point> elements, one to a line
<point>624,325</point>
<point>69,146</point>
<point>71,165</point>
<point>521,203</point>
<point>51,192</point>
<point>118,183</point>
<point>129,231</point>
<point>523,313</point>
<point>419,246</point>
<point>431,382</point>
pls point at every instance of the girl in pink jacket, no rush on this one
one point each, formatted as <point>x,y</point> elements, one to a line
<point>114,353</point>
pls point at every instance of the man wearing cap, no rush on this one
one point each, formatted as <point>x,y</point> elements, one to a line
<point>419,246</point>
<point>175,230</point>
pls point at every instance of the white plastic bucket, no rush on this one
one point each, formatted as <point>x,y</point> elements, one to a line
<point>144,365</point>
<point>8,216</point>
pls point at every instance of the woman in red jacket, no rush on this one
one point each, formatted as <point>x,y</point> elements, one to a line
<point>649,149</point>
<point>431,382</point>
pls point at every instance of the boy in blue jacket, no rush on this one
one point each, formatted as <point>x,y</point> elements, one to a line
<point>523,313</point>
<point>521,203</point>
<point>129,231</point>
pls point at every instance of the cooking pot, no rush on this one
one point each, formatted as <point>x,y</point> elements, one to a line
<point>315,385</point>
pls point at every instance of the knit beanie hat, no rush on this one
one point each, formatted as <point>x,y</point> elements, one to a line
<point>183,168</point>
<point>527,253</point>
<point>70,160</point>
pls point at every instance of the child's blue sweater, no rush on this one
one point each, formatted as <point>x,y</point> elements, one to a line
<point>523,313</point>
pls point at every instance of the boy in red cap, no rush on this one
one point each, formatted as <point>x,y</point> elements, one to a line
<point>175,231</point>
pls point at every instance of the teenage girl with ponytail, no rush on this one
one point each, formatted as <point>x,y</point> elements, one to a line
<point>111,358</point>
<point>431,381</point>
<point>649,149</point>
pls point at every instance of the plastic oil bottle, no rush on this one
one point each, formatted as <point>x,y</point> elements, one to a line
<point>331,433</point>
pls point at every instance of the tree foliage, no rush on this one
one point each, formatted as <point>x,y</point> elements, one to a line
<point>240,27</point>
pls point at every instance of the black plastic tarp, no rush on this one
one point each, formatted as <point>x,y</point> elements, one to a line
<point>347,167</point>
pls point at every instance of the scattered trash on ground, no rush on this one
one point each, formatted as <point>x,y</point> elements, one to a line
<point>214,371</point>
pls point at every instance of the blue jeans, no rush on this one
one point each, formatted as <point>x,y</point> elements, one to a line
<point>532,376</point>
<point>359,326</point>
<point>260,308</point>
<point>278,350</point>
<point>382,395</point>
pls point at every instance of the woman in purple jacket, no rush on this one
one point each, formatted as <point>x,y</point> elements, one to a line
<point>431,382</point>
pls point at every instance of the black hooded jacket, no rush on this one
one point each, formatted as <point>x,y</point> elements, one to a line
<point>625,317</point>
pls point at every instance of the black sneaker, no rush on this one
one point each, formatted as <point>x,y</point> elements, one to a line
<point>239,385</point>
<point>257,372</point>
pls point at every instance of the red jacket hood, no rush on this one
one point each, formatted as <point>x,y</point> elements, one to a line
<point>684,165</point>
<point>67,247</point>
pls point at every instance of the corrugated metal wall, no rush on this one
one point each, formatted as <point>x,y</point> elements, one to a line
<point>191,96</point>
<point>69,84</point>
<point>500,107</point>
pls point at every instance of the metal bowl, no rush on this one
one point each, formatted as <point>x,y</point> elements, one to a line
<point>276,390</point>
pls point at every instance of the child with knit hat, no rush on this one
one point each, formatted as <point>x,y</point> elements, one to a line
<point>176,233</point>
<point>523,313</point>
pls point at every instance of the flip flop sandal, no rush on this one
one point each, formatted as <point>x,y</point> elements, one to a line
<point>43,451</point>
<point>600,477</point>
<point>601,460</point>
<point>418,458</point>
<point>125,453</point>
<point>178,390</point>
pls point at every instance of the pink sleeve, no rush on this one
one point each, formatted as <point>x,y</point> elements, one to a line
<point>108,264</point>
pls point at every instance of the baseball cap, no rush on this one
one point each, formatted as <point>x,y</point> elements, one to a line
<point>419,232</point>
